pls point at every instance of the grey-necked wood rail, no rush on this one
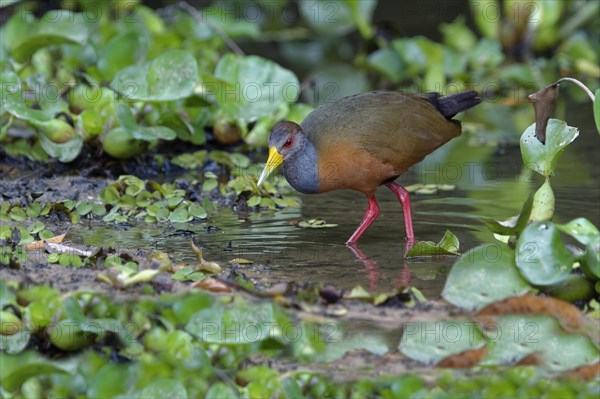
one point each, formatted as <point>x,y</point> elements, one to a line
<point>364,141</point>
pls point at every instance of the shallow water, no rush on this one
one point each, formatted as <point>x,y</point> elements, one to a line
<point>488,182</point>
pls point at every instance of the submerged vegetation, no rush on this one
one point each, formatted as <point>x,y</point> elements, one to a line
<point>158,117</point>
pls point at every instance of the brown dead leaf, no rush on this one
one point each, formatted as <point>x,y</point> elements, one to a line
<point>543,103</point>
<point>567,314</point>
<point>466,359</point>
<point>212,285</point>
<point>40,243</point>
<point>533,359</point>
<point>584,373</point>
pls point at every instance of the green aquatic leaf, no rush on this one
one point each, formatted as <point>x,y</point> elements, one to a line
<point>541,256</point>
<point>13,100</point>
<point>388,63</point>
<point>487,17</point>
<point>291,390</point>
<point>432,342</point>
<point>255,320</point>
<point>543,203</point>
<point>64,152</point>
<point>581,229</point>
<point>164,388</point>
<point>170,76</point>
<point>542,158</point>
<point>146,133</point>
<point>221,390</point>
<point>448,245</point>
<point>457,35</point>
<point>124,49</point>
<point>53,28</point>
<point>513,226</point>
<point>517,336</point>
<point>590,261</point>
<point>492,263</point>
<point>252,87</point>
<point>16,370</point>
<point>333,18</point>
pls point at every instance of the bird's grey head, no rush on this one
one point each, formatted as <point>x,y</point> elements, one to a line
<point>288,138</point>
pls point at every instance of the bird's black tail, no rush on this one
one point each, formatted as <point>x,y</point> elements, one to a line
<point>451,105</point>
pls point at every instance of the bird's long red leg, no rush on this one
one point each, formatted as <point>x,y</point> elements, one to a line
<point>370,215</point>
<point>402,195</point>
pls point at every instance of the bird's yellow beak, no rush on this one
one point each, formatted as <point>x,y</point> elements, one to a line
<point>275,159</point>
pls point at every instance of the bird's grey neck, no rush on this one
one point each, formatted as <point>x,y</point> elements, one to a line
<point>301,169</point>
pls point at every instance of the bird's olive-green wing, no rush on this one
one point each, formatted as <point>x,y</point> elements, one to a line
<point>397,128</point>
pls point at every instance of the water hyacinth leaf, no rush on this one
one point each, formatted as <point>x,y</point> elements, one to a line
<point>256,319</point>
<point>290,388</point>
<point>513,226</point>
<point>543,203</point>
<point>542,158</point>
<point>387,62</point>
<point>122,50</point>
<point>581,229</point>
<point>432,342</point>
<point>457,35</point>
<point>147,133</point>
<point>590,262</point>
<point>13,100</point>
<point>487,17</point>
<point>164,388</point>
<point>448,245</point>
<point>64,152</point>
<point>541,256</point>
<point>15,376</point>
<point>362,14</point>
<point>492,263</point>
<point>110,381</point>
<point>221,390</point>
<point>328,17</point>
<point>214,18</point>
<point>260,86</point>
<point>126,118</point>
<point>516,336</point>
<point>53,28</point>
<point>170,76</point>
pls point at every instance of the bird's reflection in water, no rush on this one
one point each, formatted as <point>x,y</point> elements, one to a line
<point>372,268</point>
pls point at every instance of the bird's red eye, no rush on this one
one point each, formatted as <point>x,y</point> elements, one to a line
<point>288,143</point>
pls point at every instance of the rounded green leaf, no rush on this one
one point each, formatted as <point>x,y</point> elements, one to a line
<point>110,195</point>
<point>197,211</point>
<point>543,203</point>
<point>581,229</point>
<point>484,275</point>
<point>253,87</point>
<point>542,158</point>
<point>517,336</point>
<point>53,28</point>
<point>179,215</point>
<point>64,152</point>
<point>432,342</point>
<point>170,76</point>
<point>122,50</point>
<point>541,255</point>
<point>164,388</point>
